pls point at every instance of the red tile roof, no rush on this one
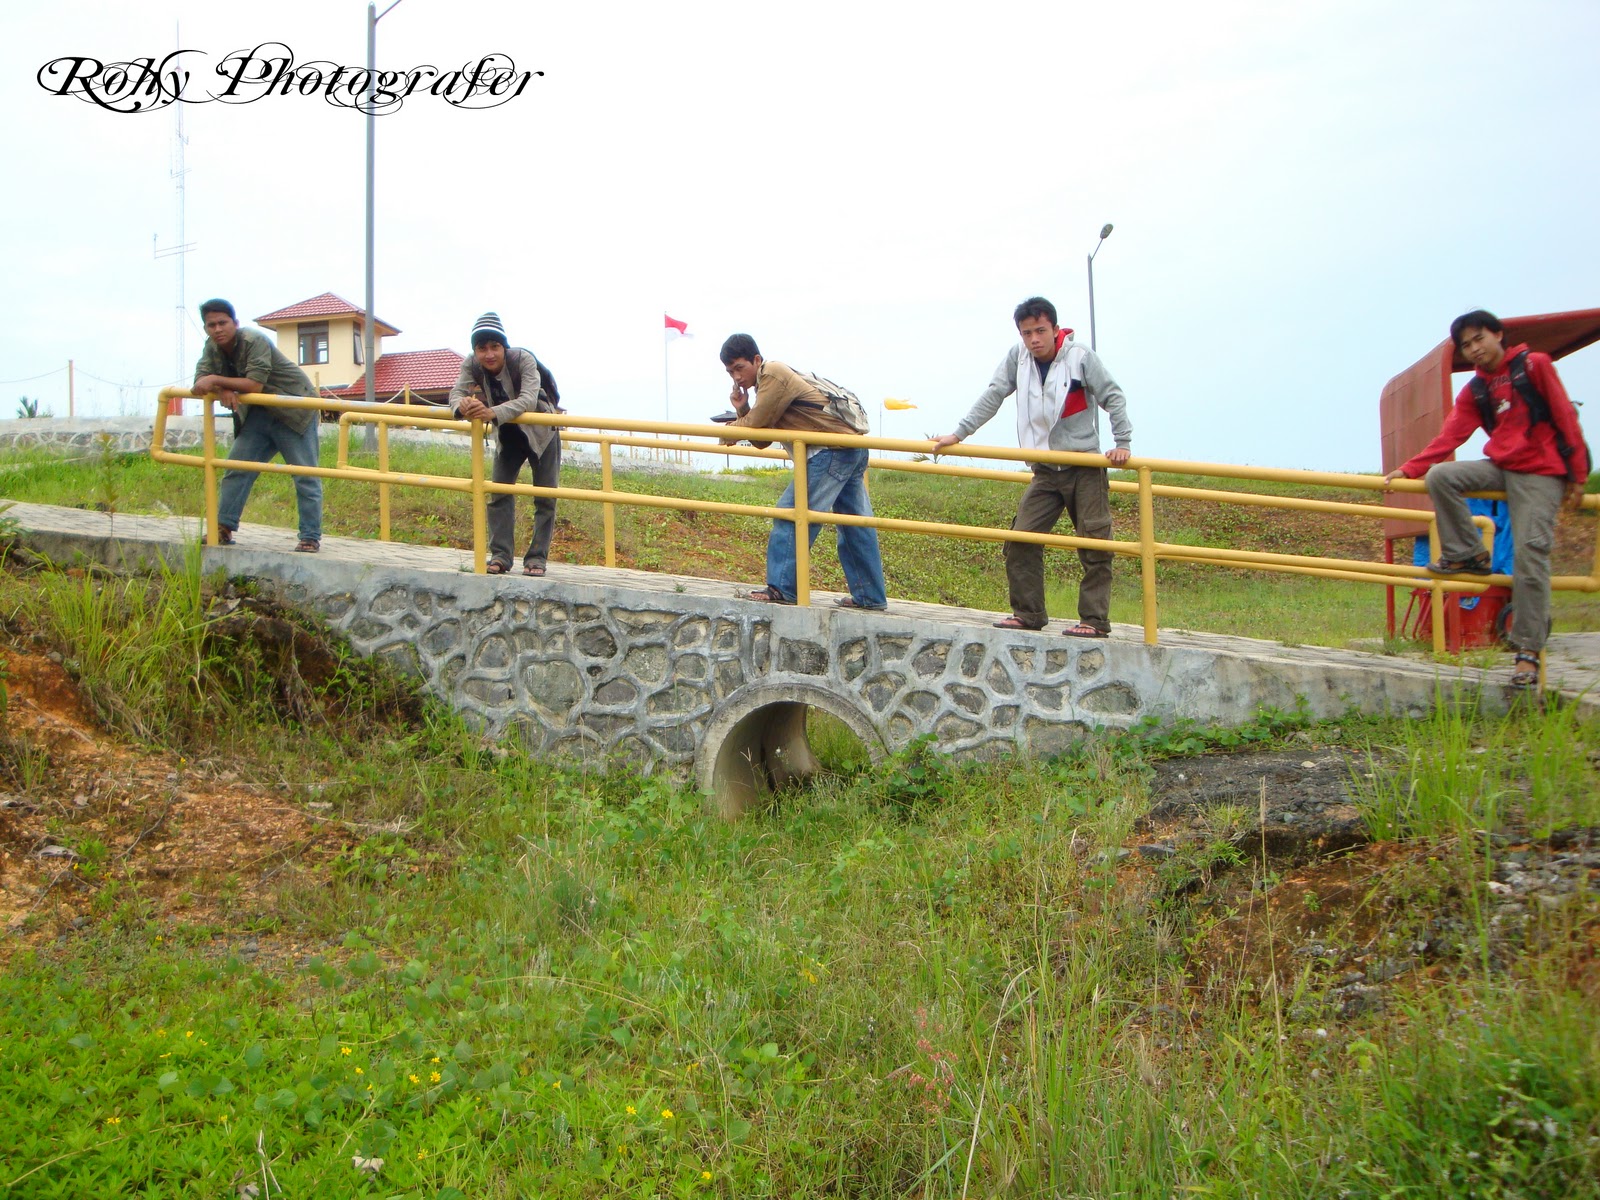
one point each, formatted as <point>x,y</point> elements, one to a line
<point>325,305</point>
<point>420,370</point>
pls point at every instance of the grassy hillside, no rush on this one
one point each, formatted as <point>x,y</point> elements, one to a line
<point>273,927</point>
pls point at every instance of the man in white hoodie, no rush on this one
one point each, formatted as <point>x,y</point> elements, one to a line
<point>1060,387</point>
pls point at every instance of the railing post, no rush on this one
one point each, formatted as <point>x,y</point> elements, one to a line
<point>802,527</point>
<point>608,511</point>
<point>1147,554</point>
<point>480,515</point>
<point>208,443</point>
<point>1435,592</point>
<point>344,441</point>
<point>383,488</point>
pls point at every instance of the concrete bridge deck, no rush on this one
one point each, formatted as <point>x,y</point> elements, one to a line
<point>681,670</point>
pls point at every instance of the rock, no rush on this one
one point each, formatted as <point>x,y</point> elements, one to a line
<point>1356,999</point>
<point>1156,850</point>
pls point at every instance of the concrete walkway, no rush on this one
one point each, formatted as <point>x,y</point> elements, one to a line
<point>1572,667</point>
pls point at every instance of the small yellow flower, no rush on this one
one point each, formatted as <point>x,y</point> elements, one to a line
<point>113,1120</point>
<point>413,1079</point>
<point>434,1059</point>
<point>223,1118</point>
<point>706,1176</point>
<point>168,1054</point>
<point>632,1111</point>
<point>808,976</point>
<point>434,1077</point>
<point>556,1085</point>
<point>346,1051</point>
<point>421,1154</point>
<point>161,1033</point>
<point>159,938</point>
<point>188,1033</point>
<point>666,1114</point>
<point>359,1071</point>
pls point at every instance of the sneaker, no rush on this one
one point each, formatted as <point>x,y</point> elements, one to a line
<point>1478,564</point>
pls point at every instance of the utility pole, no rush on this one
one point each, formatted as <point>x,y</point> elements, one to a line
<point>369,333</point>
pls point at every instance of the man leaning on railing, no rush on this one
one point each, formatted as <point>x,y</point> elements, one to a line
<point>236,362</point>
<point>1060,388</point>
<point>498,384</point>
<point>835,475</point>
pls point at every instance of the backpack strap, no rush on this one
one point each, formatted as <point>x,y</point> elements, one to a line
<point>1538,407</point>
<point>1521,383</point>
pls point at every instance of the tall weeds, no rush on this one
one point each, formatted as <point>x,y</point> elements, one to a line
<point>136,645</point>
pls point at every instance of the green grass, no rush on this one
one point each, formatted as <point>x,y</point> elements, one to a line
<point>913,979</point>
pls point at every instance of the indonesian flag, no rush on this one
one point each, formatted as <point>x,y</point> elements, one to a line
<point>676,328</point>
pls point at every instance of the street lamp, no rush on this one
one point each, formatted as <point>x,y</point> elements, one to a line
<point>373,17</point>
<point>1105,232</point>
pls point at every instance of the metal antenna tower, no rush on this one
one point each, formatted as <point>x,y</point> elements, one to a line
<point>178,170</point>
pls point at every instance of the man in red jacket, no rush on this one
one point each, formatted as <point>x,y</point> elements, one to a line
<point>1537,457</point>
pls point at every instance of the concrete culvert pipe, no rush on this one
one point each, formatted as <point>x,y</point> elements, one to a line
<point>757,743</point>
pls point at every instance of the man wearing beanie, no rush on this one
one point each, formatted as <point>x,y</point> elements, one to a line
<point>498,384</point>
<point>236,362</point>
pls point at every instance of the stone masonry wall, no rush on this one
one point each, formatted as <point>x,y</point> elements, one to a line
<point>591,672</point>
<point>594,671</point>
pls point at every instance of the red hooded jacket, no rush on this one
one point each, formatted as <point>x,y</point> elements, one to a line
<point>1513,445</point>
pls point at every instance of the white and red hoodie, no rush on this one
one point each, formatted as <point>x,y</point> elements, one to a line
<point>1513,445</point>
<point>1060,411</point>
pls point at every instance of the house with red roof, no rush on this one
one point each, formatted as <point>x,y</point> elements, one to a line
<point>326,336</point>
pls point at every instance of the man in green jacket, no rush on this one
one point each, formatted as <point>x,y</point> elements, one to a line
<point>236,362</point>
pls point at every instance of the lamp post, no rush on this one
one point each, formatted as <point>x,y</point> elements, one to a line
<point>1105,232</point>
<point>370,339</point>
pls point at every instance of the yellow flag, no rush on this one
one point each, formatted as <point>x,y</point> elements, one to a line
<point>897,405</point>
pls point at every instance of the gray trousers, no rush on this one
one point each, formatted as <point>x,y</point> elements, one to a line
<point>513,450</point>
<point>1534,501</point>
<point>1085,494</point>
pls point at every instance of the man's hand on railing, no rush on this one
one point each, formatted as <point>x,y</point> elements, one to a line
<point>942,443</point>
<point>1397,473</point>
<point>475,410</point>
<point>1119,456</point>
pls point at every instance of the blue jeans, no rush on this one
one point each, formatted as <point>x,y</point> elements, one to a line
<point>261,435</point>
<point>835,482</point>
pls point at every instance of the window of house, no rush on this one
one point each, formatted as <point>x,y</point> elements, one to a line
<point>355,334</point>
<point>313,344</point>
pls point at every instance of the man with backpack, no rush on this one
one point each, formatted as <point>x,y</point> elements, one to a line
<point>835,475</point>
<point>1537,457</point>
<point>498,384</point>
<point>238,362</point>
<point>1060,388</point>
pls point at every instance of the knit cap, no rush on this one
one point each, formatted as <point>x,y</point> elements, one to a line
<point>488,328</point>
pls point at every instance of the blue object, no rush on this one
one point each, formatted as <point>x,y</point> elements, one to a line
<point>1501,562</point>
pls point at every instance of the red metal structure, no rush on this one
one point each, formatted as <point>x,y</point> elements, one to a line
<point>1415,402</point>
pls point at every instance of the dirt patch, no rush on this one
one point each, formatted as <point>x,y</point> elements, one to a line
<point>90,826</point>
<point>1300,801</point>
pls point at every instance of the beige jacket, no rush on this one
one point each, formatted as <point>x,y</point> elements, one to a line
<point>785,400</point>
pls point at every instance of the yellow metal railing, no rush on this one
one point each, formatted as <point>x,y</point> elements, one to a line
<point>608,433</point>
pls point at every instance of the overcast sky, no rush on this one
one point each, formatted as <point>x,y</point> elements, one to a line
<point>1304,196</point>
